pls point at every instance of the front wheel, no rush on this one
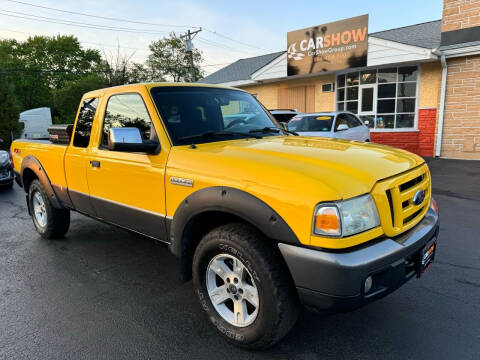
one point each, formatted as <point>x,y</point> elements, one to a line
<point>244,287</point>
<point>50,223</point>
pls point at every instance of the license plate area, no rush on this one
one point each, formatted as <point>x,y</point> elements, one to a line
<point>425,257</point>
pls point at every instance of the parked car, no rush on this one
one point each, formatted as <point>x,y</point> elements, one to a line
<point>284,115</point>
<point>6,169</point>
<point>259,218</point>
<point>341,125</point>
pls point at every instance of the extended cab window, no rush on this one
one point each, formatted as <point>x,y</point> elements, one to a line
<point>128,110</point>
<point>84,123</point>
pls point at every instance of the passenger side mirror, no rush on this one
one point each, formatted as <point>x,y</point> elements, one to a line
<point>130,140</point>
<point>342,127</point>
<point>284,125</point>
<point>367,122</point>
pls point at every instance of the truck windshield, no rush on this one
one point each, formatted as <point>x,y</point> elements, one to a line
<point>203,114</point>
<point>311,123</point>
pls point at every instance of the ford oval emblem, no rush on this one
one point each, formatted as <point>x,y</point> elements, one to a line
<point>418,197</point>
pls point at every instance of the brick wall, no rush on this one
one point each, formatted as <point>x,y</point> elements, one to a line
<point>460,14</point>
<point>461,129</point>
<point>421,142</point>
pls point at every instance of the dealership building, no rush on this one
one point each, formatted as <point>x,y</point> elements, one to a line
<point>418,86</point>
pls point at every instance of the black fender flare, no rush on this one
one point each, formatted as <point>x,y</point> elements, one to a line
<point>231,201</point>
<point>32,163</point>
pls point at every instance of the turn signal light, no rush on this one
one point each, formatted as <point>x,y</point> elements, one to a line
<point>434,205</point>
<point>327,221</point>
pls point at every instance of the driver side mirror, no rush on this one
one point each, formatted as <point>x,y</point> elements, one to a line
<point>130,140</point>
<point>342,127</point>
<point>1,141</point>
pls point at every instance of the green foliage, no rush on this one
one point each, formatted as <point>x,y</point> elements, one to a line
<point>9,112</point>
<point>139,73</point>
<point>56,71</point>
<point>169,59</point>
<point>41,64</point>
<point>67,99</point>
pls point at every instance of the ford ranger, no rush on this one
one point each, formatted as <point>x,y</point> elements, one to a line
<point>261,219</point>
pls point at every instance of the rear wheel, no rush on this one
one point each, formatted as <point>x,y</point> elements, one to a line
<point>50,223</point>
<point>244,287</point>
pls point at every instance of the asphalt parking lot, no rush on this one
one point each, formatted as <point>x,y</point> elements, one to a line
<point>104,293</point>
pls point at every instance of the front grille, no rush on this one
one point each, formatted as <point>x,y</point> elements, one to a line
<point>394,199</point>
<point>411,183</point>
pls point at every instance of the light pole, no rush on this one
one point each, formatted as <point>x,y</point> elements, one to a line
<point>189,36</point>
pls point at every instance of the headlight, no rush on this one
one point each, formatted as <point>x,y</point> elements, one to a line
<point>4,157</point>
<point>345,218</point>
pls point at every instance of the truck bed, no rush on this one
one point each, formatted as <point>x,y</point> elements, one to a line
<point>49,155</point>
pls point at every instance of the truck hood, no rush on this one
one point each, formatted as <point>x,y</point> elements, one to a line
<point>348,168</point>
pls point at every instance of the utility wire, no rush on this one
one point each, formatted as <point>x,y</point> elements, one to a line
<point>139,22</point>
<point>219,45</point>
<point>82,42</point>
<point>100,17</point>
<point>76,23</point>
<point>239,42</point>
<point>100,27</point>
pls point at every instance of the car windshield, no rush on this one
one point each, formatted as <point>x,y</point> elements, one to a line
<point>311,123</point>
<point>203,114</point>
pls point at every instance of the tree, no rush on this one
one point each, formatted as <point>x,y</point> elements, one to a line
<point>42,64</point>
<point>139,73</point>
<point>9,112</point>
<point>67,99</point>
<point>169,59</point>
<point>115,68</point>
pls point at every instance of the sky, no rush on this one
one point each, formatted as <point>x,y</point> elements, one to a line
<point>231,30</point>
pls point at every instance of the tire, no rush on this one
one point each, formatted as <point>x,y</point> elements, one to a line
<point>53,223</point>
<point>263,269</point>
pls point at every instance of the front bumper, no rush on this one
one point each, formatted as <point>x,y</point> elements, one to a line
<point>334,280</point>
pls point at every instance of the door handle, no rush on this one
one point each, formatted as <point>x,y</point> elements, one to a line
<point>95,163</point>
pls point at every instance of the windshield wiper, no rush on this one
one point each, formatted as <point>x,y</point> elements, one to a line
<point>209,134</point>
<point>272,129</point>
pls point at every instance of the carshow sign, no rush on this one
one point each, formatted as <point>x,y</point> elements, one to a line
<point>330,47</point>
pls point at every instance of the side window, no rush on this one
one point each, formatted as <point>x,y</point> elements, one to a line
<point>352,121</point>
<point>85,122</point>
<point>341,120</point>
<point>128,110</point>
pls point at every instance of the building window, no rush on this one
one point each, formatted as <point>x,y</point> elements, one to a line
<point>382,98</point>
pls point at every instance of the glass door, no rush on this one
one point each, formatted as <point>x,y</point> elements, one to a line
<point>367,103</point>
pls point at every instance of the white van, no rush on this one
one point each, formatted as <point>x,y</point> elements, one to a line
<point>36,123</point>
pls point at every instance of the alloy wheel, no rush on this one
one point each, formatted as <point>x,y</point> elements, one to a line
<point>232,290</point>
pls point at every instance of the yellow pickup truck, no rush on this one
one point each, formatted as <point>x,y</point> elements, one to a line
<point>261,219</point>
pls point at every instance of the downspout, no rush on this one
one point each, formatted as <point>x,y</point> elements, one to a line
<point>441,114</point>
